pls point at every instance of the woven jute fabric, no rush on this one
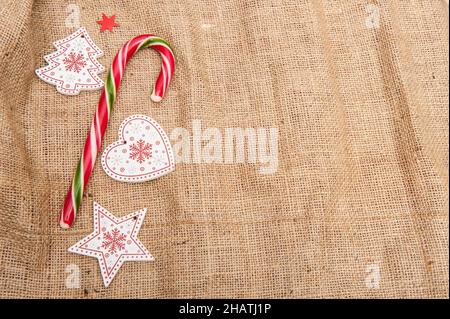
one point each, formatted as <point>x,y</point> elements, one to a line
<point>357,206</point>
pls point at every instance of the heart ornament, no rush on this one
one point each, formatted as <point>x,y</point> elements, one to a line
<point>142,153</point>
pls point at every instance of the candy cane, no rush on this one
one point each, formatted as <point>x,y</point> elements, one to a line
<point>103,111</point>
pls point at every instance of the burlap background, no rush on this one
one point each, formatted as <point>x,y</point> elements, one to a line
<point>363,150</point>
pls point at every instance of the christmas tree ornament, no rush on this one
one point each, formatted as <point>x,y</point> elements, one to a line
<point>143,151</point>
<point>113,241</point>
<point>107,23</point>
<point>104,109</point>
<point>74,66</point>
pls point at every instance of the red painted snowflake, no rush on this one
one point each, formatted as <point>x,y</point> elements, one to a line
<point>114,241</point>
<point>140,151</point>
<point>74,62</point>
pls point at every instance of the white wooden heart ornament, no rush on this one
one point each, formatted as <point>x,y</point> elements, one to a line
<point>142,153</point>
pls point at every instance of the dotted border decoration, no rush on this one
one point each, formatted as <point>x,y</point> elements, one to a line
<point>78,87</point>
<point>108,274</point>
<point>142,177</point>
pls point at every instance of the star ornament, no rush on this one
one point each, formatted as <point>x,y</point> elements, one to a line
<point>107,23</point>
<point>113,241</point>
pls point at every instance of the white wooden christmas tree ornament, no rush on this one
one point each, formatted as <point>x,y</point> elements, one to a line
<point>74,66</point>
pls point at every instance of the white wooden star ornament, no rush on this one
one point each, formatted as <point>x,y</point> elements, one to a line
<point>113,241</point>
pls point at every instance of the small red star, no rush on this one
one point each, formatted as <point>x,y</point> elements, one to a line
<point>107,23</point>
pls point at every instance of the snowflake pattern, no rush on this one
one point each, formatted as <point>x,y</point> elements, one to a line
<point>114,241</point>
<point>140,151</point>
<point>74,62</point>
<point>153,135</point>
<point>70,79</point>
<point>116,159</point>
<point>145,151</point>
<point>79,44</point>
<point>160,160</point>
<point>73,67</point>
<point>135,128</point>
<point>133,169</point>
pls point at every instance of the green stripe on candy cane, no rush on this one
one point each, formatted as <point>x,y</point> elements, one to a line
<point>74,197</point>
<point>110,88</point>
<point>77,188</point>
<point>154,40</point>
